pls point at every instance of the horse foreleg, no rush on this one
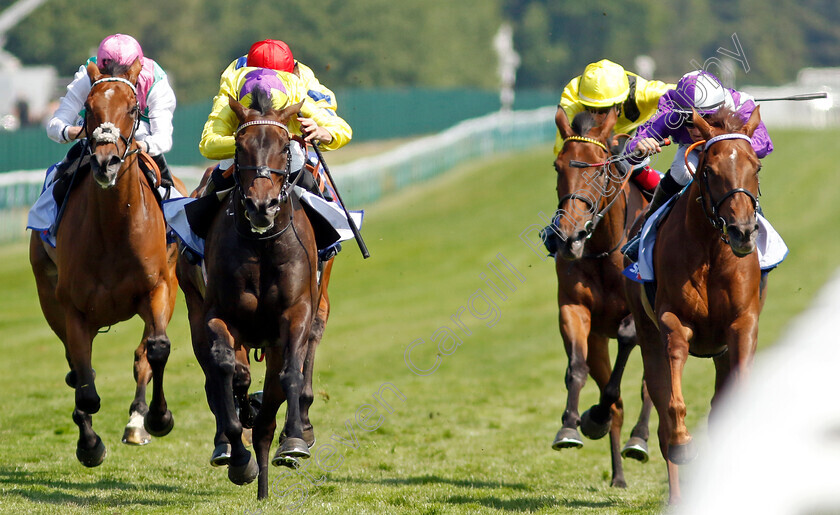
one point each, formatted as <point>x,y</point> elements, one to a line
<point>265,423</point>
<point>158,421</point>
<point>574,328</point>
<point>299,318</point>
<point>90,450</point>
<point>599,366</point>
<point>636,447</point>
<point>675,337</point>
<point>315,334</point>
<point>219,370</point>
<point>658,384</point>
<point>595,421</point>
<point>135,433</point>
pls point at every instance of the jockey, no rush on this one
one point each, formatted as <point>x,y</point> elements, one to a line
<point>154,94</point>
<point>276,55</point>
<point>605,85</point>
<point>189,217</point>
<point>704,93</point>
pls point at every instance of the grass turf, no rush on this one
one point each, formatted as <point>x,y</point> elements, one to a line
<point>471,436</point>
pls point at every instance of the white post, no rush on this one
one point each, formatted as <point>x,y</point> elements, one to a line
<point>508,63</point>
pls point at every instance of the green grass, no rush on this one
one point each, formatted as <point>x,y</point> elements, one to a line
<point>474,436</point>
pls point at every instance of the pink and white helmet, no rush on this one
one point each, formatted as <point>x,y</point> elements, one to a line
<point>119,48</point>
<point>703,92</point>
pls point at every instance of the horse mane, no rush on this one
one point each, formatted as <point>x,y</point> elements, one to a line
<point>725,119</point>
<point>583,123</point>
<point>114,69</point>
<point>261,101</point>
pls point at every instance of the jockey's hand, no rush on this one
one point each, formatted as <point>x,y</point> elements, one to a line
<point>75,132</point>
<point>313,133</point>
<point>648,146</point>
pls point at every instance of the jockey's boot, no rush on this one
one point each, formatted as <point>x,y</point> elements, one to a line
<point>329,252</point>
<point>73,161</point>
<point>165,175</point>
<point>666,189</point>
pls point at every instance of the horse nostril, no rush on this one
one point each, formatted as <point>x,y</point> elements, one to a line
<point>250,205</point>
<point>273,203</point>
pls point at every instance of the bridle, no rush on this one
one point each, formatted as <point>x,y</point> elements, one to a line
<point>265,172</point>
<point>712,212</point>
<point>107,132</point>
<point>597,215</point>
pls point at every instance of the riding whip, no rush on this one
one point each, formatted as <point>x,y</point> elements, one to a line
<point>803,96</point>
<point>356,233</point>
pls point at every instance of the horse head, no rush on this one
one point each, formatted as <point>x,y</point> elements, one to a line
<point>581,190</point>
<point>728,177</point>
<point>262,161</point>
<point>112,114</point>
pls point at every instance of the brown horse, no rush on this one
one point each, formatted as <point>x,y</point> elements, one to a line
<point>709,289</point>
<point>111,261</point>
<point>596,208</point>
<point>261,292</point>
<point>192,282</point>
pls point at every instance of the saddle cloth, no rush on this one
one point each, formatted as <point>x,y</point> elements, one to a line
<point>327,218</point>
<point>770,246</point>
<point>43,213</point>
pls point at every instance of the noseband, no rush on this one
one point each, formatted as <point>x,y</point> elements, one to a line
<point>713,211</point>
<point>107,132</point>
<point>265,172</point>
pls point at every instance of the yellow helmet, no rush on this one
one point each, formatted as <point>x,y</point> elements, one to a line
<point>603,84</point>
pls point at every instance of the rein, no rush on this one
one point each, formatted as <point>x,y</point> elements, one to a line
<point>592,224</point>
<point>714,216</point>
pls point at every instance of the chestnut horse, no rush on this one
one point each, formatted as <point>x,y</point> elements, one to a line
<point>709,289</point>
<point>111,261</point>
<point>597,207</point>
<point>261,292</point>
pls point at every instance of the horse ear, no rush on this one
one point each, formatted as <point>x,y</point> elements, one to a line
<point>237,108</point>
<point>292,110</point>
<point>562,123</point>
<point>752,123</point>
<point>93,72</point>
<point>701,124</point>
<point>134,71</point>
<point>607,127</point>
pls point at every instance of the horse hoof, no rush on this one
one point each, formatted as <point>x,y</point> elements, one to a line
<point>221,455</point>
<point>308,437</point>
<point>243,474</point>
<point>285,461</point>
<point>636,449</point>
<point>92,457</point>
<point>160,427</point>
<point>567,438</point>
<point>591,427</point>
<point>294,447</point>
<point>135,433</point>
<point>682,454</point>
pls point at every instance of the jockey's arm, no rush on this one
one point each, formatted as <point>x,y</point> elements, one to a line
<point>62,126</point>
<point>161,101</point>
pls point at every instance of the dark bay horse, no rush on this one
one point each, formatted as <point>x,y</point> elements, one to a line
<point>709,289</point>
<point>111,261</point>
<point>261,292</point>
<point>597,206</point>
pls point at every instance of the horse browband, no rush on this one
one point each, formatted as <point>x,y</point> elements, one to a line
<point>262,122</point>
<point>587,140</point>
<point>116,79</point>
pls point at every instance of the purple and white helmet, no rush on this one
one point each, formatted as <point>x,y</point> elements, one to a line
<point>703,92</point>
